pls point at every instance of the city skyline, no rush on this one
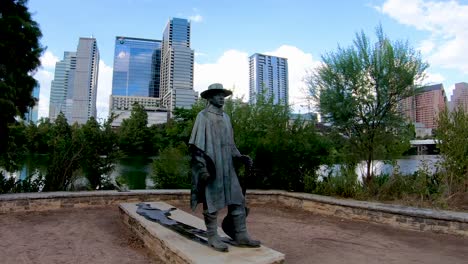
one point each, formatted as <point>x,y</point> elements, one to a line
<point>224,35</point>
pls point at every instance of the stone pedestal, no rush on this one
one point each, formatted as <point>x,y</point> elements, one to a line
<point>172,247</point>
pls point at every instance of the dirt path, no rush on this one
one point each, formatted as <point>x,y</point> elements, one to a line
<point>309,238</point>
<point>98,236</point>
<point>69,236</point>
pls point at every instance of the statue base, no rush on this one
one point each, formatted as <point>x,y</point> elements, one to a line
<point>173,247</point>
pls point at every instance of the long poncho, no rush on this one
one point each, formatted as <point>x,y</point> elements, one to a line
<point>213,136</point>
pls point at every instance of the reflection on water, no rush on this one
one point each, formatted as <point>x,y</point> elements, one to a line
<point>33,165</point>
<point>407,165</point>
<point>135,171</point>
<point>132,171</point>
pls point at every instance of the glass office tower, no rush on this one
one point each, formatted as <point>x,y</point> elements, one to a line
<point>136,78</point>
<point>137,64</point>
<point>268,75</point>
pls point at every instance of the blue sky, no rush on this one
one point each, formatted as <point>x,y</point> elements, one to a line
<point>225,33</point>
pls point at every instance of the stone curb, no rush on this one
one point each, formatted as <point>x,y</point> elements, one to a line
<point>412,218</point>
<point>52,195</point>
<point>374,206</point>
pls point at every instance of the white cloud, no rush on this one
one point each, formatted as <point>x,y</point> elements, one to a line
<point>232,70</point>
<point>298,63</point>
<point>44,78</point>
<point>45,75</point>
<point>426,46</point>
<point>445,20</point>
<point>196,18</point>
<point>433,78</point>
<point>199,54</point>
<point>48,60</point>
<point>104,90</point>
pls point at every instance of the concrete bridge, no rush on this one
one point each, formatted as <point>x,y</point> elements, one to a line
<point>423,145</point>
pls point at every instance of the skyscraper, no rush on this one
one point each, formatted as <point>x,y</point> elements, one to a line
<point>136,76</point>
<point>83,95</point>
<point>425,106</point>
<point>137,64</point>
<point>32,114</point>
<point>460,97</point>
<point>177,65</point>
<point>63,79</point>
<point>74,88</point>
<point>268,75</point>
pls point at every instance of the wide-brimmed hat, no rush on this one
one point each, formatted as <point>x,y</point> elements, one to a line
<point>214,89</point>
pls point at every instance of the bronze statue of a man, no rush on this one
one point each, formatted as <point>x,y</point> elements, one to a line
<point>214,180</point>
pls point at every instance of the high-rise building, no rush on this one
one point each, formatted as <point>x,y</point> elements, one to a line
<point>83,95</point>
<point>137,64</point>
<point>177,60</point>
<point>136,77</point>
<point>32,114</point>
<point>268,75</point>
<point>460,97</point>
<point>424,107</point>
<point>74,88</point>
<point>63,79</point>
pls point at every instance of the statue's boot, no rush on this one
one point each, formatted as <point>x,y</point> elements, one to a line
<point>212,232</point>
<point>241,236</point>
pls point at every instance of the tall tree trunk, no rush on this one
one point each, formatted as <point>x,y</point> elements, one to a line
<point>369,160</point>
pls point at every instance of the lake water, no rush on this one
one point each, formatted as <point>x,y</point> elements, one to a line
<point>135,171</point>
<point>406,165</point>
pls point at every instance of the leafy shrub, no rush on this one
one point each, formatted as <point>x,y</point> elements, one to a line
<point>452,135</point>
<point>345,184</point>
<point>171,169</point>
<point>6,184</point>
<point>30,184</point>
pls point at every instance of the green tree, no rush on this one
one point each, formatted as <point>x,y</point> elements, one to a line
<point>171,169</point>
<point>44,136</point>
<point>16,148</point>
<point>90,160</point>
<point>176,130</point>
<point>358,90</point>
<point>19,41</point>
<point>452,135</point>
<point>65,150</point>
<point>285,152</point>
<point>133,133</point>
<point>100,152</point>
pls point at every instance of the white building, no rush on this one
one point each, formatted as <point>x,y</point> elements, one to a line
<point>63,79</point>
<point>84,93</point>
<point>74,88</point>
<point>268,75</point>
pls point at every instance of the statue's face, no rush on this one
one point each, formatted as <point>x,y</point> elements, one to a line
<point>217,100</point>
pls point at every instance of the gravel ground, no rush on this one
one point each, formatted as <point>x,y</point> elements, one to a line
<point>99,236</point>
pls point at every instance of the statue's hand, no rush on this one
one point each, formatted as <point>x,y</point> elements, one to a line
<point>204,176</point>
<point>248,162</point>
